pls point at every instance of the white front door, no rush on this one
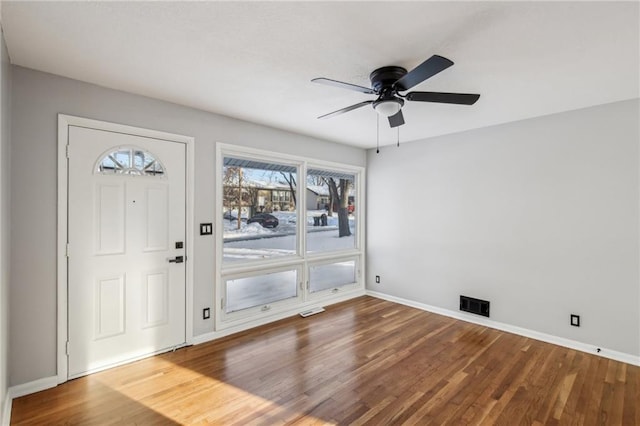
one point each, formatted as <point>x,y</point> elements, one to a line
<point>126,229</point>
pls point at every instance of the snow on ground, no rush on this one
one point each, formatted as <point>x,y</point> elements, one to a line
<point>252,241</point>
<point>286,225</point>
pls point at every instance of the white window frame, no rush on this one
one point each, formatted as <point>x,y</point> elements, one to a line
<point>301,259</point>
<point>261,308</point>
<point>101,158</point>
<point>327,293</point>
<point>358,182</point>
<point>264,157</point>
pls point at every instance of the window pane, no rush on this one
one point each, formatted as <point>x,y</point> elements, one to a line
<point>259,210</point>
<point>331,204</point>
<point>243,293</point>
<point>333,275</point>
<point>130,161</point>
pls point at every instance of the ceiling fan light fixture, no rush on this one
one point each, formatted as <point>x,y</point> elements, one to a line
<point>388,82</point>
<point>388,107</point>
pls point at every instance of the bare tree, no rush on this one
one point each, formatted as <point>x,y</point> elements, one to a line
<point>233,194</point>
<point>340,193</point>
<point>316,180</point>
<point>291,180</point>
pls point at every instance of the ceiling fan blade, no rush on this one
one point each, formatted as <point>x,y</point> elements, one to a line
<point>347,109</point>
<point>425,70</point>
<point>343,85</point>
<point>445,98</point>
<point>396,119</point>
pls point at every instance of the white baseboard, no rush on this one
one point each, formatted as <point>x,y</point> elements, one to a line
<point>33,387</point>
<point>544,337</point>
<point>22,390</point>
<point>6,410</point>
<point>242,326</point>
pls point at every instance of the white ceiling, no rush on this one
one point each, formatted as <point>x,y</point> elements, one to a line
<point>255,60</point>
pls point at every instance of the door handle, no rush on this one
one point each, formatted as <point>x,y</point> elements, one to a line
<point>177,259</point>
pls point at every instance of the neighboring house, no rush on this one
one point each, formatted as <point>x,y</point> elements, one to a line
<point>317,197</point>
<point>260,196</point>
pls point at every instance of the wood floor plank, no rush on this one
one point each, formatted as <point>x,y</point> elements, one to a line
<point>363,362</point>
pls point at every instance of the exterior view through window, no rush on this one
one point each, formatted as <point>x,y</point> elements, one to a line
<point>259,210</point>
<point>290,232</point>
<point>331,204</point>
<point>130,161</point>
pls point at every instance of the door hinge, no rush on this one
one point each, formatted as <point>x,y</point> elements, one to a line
<point>67,151</point>
<point>67,250</point>
<point>222,303</point>
<point>66,349</point>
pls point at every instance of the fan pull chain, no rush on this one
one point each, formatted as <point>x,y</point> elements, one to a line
<point>377,133</point>
<point>398,136</point>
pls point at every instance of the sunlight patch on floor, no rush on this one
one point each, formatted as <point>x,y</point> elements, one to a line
<point>179,394</point>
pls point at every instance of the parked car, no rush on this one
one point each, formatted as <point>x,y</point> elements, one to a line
<point>265,219</point>
<point>229,216</point>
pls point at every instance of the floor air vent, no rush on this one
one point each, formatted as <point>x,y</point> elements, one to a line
<point>475,306</point>
<point>311,311</point>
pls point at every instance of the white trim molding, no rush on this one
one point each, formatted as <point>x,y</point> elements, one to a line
<point>543,337</point>
<point>32,387</point>
<point>277,316</point>
<point>64,122</point>
<point>6,410</point>
<point>22,390</point>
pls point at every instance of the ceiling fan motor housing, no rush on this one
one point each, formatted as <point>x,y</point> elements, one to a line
<point>385,77</point>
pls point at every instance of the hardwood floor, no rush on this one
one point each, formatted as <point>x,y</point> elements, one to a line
<point>365,361</point>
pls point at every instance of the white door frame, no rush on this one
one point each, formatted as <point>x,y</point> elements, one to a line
<point>64,121</point>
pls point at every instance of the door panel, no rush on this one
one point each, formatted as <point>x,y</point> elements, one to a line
<point>110,213</point>
<point>157,230</point>
<point>155,306</point>
<point>125,299</point>
<point>109,307</point>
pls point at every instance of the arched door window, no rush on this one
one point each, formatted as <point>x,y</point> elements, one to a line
<point>130,161</point>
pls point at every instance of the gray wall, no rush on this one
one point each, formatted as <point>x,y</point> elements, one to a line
<point>37,99</point>
<point>540,217</point>
<point>5,161</point>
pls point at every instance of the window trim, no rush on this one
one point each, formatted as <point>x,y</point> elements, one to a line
<point>266,157</point>
<point>301,259</point>
<point>258,309</point>
<point>341,288</point>
<point>131,148</point>
<point>359,195</point>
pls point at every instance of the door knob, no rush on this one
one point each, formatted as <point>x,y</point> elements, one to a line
<point>177,259</point>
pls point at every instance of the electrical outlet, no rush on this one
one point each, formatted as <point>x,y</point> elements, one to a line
<point>575,320</point>
<point>206,313</point>
<point>377,279</point>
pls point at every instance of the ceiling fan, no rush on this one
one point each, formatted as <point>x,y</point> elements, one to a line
<point>388,82</point>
